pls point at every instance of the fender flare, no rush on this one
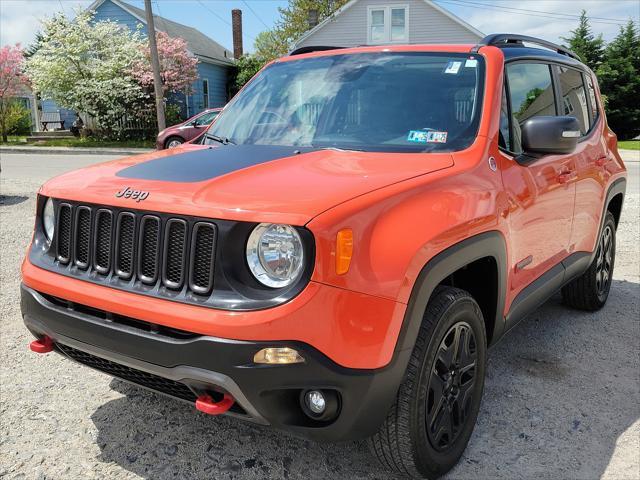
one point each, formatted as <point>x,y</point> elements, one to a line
<point>487,244</point>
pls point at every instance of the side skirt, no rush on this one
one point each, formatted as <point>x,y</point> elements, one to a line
<point>540,290</point>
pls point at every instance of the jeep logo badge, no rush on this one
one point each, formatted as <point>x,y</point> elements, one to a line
<point>136,195</point>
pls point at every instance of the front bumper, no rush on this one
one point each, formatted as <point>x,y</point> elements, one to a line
<point>184,365</point>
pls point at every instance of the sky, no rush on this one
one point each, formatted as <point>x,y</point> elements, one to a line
<point>548,19</point>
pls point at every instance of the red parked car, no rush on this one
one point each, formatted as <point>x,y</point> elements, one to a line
<point>188,130</point>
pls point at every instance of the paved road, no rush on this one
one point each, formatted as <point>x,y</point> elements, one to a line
<point>562,397</point>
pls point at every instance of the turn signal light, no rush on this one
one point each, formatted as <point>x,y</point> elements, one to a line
<point>278,356</point>
<point>344,250</point>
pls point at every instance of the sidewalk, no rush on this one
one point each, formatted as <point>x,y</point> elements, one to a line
<point>630,155</point>
<point>73,150</point>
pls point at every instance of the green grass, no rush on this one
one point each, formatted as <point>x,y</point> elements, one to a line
<point>82,142</point>
<point>629,144</point>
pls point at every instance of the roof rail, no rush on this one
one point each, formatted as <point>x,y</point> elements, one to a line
<point>502,39</point>
<point>309,49</point>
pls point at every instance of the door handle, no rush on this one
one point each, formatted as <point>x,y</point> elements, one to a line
<point>564,177</point>
<point>601,161</point>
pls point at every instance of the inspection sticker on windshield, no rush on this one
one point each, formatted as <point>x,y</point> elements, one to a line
<point>421,136</point>
<point>471,63</point>
<point>453,67</point>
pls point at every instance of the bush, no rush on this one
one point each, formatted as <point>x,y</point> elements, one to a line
<point>15,118</point>
<point>172,114</point>
<point>246,67</point>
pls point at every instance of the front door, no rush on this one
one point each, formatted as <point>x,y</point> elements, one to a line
<point>541,193</point>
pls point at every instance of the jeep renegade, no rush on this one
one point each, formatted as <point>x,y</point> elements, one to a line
<point>335,254</point>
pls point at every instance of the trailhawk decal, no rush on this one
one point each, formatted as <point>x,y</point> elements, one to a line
<point>208,163</point>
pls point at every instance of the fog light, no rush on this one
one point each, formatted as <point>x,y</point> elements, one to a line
<point>315,401</point>
<point>278,356</point>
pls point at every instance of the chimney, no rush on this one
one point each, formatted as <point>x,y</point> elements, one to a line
<point>236,26</point>
<point>312,18</point>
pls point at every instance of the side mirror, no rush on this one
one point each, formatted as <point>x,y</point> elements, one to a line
<point>548,135</point>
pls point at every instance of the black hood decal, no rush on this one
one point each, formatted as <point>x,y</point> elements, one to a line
<point>205,164</point>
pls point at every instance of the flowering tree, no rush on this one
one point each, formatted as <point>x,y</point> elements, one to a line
<point>86,66</point>
<point>177,65</point>
<point>12,83</point>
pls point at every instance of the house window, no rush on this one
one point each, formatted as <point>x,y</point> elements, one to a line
<point>377,26</point>
<point>205,92</point>
<point>388,24</point>
<point>398,25</point>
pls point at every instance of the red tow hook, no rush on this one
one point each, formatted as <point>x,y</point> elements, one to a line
<point>42,345</point>
<point>205,404</point>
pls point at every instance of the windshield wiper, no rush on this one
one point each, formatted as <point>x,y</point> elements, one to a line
<point>222,140</point>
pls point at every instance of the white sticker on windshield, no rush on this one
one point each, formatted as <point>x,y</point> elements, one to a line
<point>418,136</point>
<point>422,136</point>
<point>471,63</point>
<point>437,137</point>
<point>453,67</point>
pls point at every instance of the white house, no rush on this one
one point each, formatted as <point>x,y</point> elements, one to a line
<point>375,22</point>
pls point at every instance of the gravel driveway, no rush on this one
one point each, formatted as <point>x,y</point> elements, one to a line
<point>562,397</point>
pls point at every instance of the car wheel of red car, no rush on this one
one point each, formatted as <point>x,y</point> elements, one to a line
<point>591,290</point>
<point>173,142</point>
<point>429,426</point>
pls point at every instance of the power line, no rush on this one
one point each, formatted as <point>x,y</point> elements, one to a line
<point>218,16</point>
<point>533,13</point>
<point>256,15</point>
<point>572,15</point>
<point>223,20</point>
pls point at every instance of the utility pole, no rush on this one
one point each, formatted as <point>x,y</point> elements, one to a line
<point>155,64</point>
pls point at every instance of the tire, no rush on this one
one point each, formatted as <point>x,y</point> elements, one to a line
<point>403,443</point>
<point>173,142</point>
<point>591,290</point>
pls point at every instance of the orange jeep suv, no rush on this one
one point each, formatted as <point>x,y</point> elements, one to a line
<point>335,254</point>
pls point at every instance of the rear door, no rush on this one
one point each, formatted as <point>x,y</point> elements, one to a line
<point>541,193</point>
<point>579,100</point>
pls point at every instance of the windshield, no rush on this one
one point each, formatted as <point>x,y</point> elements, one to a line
<point>371,102</point>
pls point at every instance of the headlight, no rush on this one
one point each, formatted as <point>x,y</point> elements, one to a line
<point>49,219</point>
<point>275,254</point>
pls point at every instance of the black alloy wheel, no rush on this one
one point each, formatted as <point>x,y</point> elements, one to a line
<point>450,390</point>
<point>604,260</point>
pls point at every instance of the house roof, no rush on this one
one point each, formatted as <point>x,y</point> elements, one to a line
<point>199,44</point>
<point>350,3</point>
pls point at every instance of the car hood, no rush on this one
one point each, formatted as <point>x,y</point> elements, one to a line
<point>245,182</point>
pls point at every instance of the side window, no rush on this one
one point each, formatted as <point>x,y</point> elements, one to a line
<point>206,119</point>
<point>593,99</point>
<point>531,95</point>
<point>574,97</point>
<point>505,135</point>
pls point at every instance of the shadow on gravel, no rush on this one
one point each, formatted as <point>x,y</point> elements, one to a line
<point>8,200</point>
<point>560,391</point>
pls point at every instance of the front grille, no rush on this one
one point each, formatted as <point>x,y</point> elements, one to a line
<point>203,246</point>
<point>175,242</point>
<point>83,236</point>
<point>149,249</point>
<point>64,233</point>
<point>154,382</point>
<point>125,244</point>
<point>130,246</point>
<point>102,241</point>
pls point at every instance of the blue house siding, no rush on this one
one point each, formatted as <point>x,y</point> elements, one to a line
<point>217,76</point>
<point>110,11</point>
